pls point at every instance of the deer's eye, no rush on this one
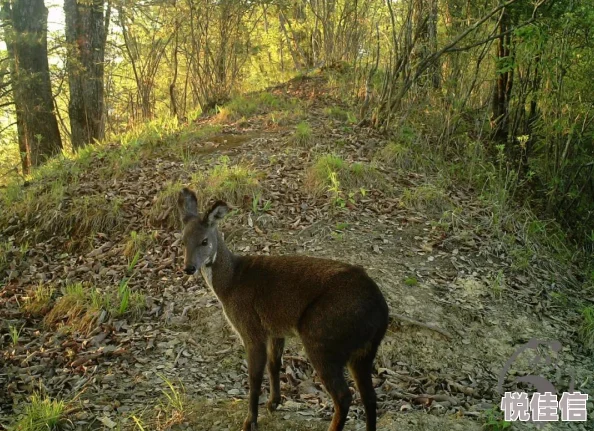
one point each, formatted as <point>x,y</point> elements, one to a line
<point>205,241</point>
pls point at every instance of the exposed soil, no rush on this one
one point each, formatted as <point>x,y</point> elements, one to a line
<point>456,278</point>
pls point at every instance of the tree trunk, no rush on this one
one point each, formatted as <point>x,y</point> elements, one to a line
<point>85,36</point>
<point>172,84</point>
<point>432,36</point>
<point>26,41</point>
<point>503,86</point>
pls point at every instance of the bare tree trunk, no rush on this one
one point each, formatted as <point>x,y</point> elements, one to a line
<point>172,84</point>
<point>85,34</point>
<point>432,42</point>
<point>39,136</point>
<point>503,86</point>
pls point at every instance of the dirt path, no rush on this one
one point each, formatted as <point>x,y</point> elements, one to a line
<point>451,276</point>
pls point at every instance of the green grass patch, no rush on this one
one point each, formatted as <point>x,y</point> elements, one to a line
<point>38,299</point>
<point>340,114</point>
<point>51,204</point>
<point>303,135</point>
<point>235,184</point>
<point>493,420</point>
<point>396,155</point>
<point>427,198</point>
<point>331,171</point>
<point>246,106</point>
<point>172,408</point>
<point>15,334</point>
<point>138,243</point>
<point>411,281</point>
<point>81,305</point>
<point>42,414</point>
<point>284,117</point>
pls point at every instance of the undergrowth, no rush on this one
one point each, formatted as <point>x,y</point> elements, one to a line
<point>245,106</point>
<point>331,173</point>
<point>81,305</point>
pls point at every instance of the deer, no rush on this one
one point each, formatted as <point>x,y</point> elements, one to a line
<point>336,309</point>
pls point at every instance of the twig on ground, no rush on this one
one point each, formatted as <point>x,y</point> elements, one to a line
<point>422,325</point>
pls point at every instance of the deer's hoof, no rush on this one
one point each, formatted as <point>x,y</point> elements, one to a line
<point>248,425</point>
<point>273,404</point>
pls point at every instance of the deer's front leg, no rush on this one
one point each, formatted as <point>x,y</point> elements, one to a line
<point>256,362</point>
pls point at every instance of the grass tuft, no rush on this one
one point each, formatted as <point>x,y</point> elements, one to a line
<point>303,135</point>
<point>15,334</point>
<point>426,198</point>
<point>253,104</point>
<point>42,414</point>
<point>173,409</point>
<point>235,184</point>
<point>139,243</point>
<point>340,114</point>
<point>80,306</point>
<point>38,299</point>
<point>331,171</point>
<point>411,281</point>
<point>77,308</point>
<point>395,155</point>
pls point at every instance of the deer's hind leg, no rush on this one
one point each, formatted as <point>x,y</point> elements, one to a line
<point>361,366</point>
<point>275,347</point>
<point>330,369</point>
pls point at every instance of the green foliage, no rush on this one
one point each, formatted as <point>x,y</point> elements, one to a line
<point>494,420</point>
<point>411,281</point>
<point>342,226</point>
<point>123,296</point>
<point>15,334</point>
<point>259,205</point>
<point>42,414</point>
<point>498,285</point>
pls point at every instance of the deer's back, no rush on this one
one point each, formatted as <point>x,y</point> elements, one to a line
<point>280,290</point>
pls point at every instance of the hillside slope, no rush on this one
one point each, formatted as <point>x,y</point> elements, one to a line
<point>96,312</point>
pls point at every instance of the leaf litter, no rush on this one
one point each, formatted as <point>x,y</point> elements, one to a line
<point>450,334</point>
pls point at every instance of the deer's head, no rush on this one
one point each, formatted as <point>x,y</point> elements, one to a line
<point>200,236</point>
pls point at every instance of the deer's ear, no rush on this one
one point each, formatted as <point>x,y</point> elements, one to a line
<point>187,203</point>
<point>216,213</point>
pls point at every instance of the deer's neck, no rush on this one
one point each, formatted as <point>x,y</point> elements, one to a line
<point>218,274</point>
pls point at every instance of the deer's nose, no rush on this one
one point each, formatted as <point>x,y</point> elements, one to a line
<point>190,269</point>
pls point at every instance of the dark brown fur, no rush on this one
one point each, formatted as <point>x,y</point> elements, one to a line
<point>336,309</point>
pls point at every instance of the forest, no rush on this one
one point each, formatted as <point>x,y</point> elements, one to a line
<point>447,146</point>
